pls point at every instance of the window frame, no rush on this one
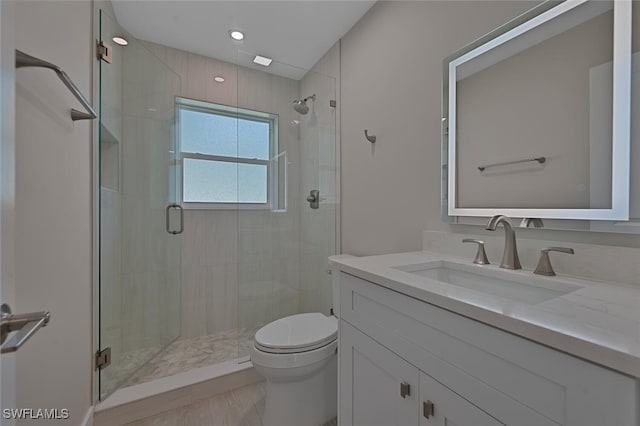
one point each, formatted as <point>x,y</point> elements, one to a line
<point>239,114</point>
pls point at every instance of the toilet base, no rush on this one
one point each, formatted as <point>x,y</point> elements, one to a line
<point>311,401</point>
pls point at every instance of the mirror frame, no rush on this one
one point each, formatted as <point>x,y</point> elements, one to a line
<point>621,113</point>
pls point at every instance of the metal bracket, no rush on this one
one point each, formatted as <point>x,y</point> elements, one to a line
<point>103,359</point>
<point>104,51</point>
<point>333,103</point>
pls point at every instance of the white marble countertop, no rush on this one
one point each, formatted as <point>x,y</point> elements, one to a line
<point>599,322</point>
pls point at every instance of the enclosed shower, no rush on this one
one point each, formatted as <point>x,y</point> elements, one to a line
<point>206,229</point>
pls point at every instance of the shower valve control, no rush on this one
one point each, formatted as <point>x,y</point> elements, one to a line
<point>314,199</point>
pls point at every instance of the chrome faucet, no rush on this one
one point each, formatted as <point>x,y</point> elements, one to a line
<point>534,222</point>
<point>510,258</point>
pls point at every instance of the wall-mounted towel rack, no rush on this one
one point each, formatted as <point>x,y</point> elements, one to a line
<point>25,326</point>
<point>24,60</point>
<point>540,160</point>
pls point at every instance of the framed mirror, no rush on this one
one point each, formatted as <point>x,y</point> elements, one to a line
<point>537,117</point>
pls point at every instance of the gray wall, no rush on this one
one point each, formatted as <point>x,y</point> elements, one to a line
<point>391,86</point>
<point>7,190</point>
<point>391,76</point>
<point>53,208</point>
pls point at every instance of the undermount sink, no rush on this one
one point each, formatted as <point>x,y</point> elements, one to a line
<point>512,285</point>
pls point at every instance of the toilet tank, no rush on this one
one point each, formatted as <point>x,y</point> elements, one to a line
<point>335,284</point>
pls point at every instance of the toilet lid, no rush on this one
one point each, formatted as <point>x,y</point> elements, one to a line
<point>297,333</point>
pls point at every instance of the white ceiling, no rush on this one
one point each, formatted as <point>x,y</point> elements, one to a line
<point>294,33</point>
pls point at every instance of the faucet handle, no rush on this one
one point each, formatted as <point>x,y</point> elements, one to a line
<point>481,255</point>
<point>544,264</point>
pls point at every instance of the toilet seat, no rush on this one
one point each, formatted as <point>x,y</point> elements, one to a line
<point>292,361</point>
<point>296,334</point>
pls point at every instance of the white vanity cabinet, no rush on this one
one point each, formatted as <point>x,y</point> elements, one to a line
<point>381,388</point>
<point>384,389</point>
<point>398,353</point>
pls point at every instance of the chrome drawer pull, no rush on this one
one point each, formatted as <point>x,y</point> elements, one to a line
<point>405,389</point>
<point>427,409</point>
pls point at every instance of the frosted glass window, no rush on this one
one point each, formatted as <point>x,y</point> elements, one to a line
<point>253,139</point>
<point>225,153</point>
<point>206,181</point>
<point>207,133</point>
<point>213,134</point>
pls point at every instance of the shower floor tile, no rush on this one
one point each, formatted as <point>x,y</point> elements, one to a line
<point>185,354</point>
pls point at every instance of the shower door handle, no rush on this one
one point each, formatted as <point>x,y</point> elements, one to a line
<point>168,218</point>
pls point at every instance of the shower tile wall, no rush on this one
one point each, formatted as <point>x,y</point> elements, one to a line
<point>256,248</point>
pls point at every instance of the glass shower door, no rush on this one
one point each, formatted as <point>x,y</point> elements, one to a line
<point>140,223</point>
<point>283,245</point>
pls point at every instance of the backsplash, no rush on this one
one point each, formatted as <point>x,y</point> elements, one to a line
<point>610,264</point>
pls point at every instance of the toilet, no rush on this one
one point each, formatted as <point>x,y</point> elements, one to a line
<point>297,355</point>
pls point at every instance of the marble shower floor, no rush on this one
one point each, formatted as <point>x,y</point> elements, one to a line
<point>185,354</point>
<point>239,407</point>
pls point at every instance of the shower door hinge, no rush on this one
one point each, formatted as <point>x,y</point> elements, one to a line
<point>103,359</point>
<point>104,51</point>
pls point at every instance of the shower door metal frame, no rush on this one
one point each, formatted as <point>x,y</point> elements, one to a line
<point>95,205</point>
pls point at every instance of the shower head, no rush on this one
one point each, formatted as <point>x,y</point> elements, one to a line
<point>300,105</point>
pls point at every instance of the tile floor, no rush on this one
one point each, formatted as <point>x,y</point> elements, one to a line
<point>239,407</point>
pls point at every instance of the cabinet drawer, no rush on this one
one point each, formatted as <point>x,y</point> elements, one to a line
<point>513,379</point>
<point>448,408</point>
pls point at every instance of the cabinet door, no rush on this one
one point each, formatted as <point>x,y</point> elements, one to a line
<point>449,408</point>
<point>377,387</point>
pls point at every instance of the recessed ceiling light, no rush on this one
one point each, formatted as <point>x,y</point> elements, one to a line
<point>219,79</point>
<point>262,60</point>
<point>120,40</point>
<point>236,35</point>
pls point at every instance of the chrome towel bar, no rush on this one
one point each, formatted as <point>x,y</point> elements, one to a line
<point>24,60</point>
<point>540,160</point>
<point>25,325</point>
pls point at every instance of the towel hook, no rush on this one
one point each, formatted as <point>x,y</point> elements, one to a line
<point>370,138</point>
